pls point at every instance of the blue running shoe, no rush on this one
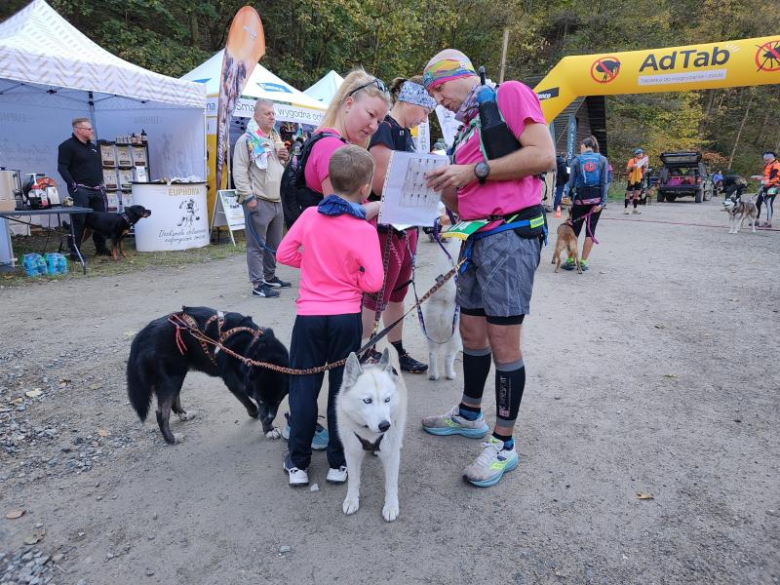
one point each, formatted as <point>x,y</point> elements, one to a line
<point>454,424</point>
<point>320,440</point>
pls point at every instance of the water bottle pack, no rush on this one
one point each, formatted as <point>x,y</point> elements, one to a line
<point>56,263</point>
<point>36,265</point>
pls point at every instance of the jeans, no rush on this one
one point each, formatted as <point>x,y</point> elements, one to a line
<point>316,340</point>
<point>558,196</point>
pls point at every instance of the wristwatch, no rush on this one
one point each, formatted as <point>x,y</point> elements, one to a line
<point>482,170</point>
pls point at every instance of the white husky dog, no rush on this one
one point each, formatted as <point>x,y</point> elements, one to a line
<point>439,313</point>
<point>371,417</point>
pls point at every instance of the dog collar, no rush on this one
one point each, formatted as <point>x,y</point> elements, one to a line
<point>368,445</point>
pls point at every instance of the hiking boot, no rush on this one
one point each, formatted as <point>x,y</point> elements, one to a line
<point>411,365</point>
<point>454,424</point>
<point>264,290</point>
<point>569,264</point>
<point>337,475</point>
<point>298,477</point>
<point>320,440</point>
<point>491,465</point>
<point>277,282</point>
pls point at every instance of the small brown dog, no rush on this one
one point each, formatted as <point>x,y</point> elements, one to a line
<point>567,241</point>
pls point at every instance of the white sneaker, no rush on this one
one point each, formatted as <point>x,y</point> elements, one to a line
<point>637,212</point>
<point>492,464</point>
<point>337,475</point>
<point>298,477</point>
<point>626,212</point>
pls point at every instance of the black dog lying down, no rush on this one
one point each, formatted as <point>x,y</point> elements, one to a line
<point>161,355</point>
<point>114,226</point>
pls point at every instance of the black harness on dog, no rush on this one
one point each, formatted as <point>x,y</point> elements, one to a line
<point>368,445</point>
<point>182,321</point>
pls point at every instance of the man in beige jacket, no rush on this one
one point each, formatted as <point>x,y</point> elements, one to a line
<point>258,163</point>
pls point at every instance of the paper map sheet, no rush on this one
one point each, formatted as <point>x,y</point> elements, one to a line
<point>406,200</point>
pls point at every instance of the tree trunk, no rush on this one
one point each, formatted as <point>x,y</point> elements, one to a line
<point>706,117</point>
<point>741,127</point>
<point>194,32</point>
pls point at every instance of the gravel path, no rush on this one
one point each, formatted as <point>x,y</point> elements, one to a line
<point>656,372</point>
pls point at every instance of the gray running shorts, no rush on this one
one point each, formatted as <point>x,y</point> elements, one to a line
<point>499,278</point>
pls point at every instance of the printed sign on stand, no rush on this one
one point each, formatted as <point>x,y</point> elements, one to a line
<point>228,212</point>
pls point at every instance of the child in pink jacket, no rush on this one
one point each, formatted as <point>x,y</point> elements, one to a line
<point>338,253</point>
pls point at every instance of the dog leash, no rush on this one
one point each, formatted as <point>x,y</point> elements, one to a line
<point>588,230</point>
<point>184,325</point>
<point>456,313</point>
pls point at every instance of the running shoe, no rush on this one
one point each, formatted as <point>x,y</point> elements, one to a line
<point>298,477</point>
<point>569,264</point>
<point>491,465</point>
<point>454,424</point>
<point>321,437</point>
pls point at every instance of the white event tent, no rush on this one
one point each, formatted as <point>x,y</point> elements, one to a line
<point>325,88</point>
<point>290,104</point>
<point>50,73</point>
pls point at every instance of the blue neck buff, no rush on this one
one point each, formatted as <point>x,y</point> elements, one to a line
<point>335,205</point>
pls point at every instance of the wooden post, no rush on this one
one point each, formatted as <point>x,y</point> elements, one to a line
<point>503,55</point>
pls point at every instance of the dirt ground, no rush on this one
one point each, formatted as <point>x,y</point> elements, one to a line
<point>656,372</point>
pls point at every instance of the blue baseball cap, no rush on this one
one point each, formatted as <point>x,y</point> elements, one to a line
<point>639,151</point>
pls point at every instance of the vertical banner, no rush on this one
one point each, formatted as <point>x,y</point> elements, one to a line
<point>245,46</point>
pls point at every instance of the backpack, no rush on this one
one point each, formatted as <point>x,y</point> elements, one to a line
<point>296,196</point>
<point>589,175</point>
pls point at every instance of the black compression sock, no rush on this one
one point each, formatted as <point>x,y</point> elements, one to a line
<point>399,347</point>
<point>476,367</point>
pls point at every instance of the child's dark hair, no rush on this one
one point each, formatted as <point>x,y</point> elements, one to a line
<point>395,85</point>
<point>591,142</point>
<point>350,168</point>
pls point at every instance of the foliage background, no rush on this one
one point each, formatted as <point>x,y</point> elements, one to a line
<point>306,38</point>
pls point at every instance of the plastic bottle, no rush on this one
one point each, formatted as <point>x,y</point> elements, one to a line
<point>497,138</point>
<point>41,265</point>
<point>51,263</point>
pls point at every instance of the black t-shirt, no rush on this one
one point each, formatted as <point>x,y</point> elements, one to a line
<point>395,137</point>
<point>392,135</point>
<point>79,163</point>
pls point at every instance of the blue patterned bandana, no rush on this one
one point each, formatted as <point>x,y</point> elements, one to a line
<point>335,205</point>
<point>414,93</point>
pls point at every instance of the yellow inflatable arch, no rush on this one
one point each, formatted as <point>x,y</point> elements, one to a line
<point>715,65</point>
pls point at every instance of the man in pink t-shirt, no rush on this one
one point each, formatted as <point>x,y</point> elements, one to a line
<point>494,292</point>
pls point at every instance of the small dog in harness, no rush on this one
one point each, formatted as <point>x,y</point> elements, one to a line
<point>739,211</point>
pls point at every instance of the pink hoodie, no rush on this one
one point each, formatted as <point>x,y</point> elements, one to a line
<point>330,251</point>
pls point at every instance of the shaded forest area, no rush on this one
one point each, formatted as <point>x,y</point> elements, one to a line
<point>306,38</point>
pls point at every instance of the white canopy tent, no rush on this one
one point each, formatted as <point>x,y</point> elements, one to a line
<point>325,88</point>
<point>290,104</point>
<point>50,73</point>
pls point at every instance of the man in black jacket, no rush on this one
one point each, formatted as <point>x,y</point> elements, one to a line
<point>78,162</point>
